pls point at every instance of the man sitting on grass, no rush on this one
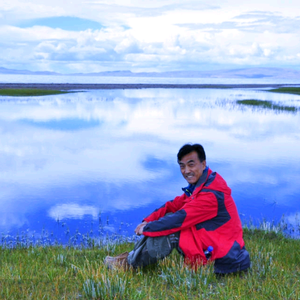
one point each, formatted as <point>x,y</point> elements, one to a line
<point>204,215</point>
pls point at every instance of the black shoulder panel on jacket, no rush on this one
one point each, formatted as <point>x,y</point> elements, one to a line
<point>210,179</point>
<point>202,178</point>
<point>222,216</point>
<point>169,221</point>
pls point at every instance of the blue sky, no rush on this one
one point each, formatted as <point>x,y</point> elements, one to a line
<point>148,35</point>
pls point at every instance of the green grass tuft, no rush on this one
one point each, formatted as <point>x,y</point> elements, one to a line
<point>29,92</point>
<point>267,105</point>
<point>56,272</point>
<point>287,90</point>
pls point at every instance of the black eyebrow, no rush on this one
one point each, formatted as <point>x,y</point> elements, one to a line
<point>190,161</point>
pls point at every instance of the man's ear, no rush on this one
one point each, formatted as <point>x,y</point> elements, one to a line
<point>204,164</point>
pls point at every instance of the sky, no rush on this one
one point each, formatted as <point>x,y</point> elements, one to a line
<point>86,36</point>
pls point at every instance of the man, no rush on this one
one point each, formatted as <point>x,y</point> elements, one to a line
<point>205,215</point>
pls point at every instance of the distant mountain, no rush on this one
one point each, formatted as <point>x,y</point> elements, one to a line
<point>255,73</point>
<point>26,72</point>
<point>231,73</point>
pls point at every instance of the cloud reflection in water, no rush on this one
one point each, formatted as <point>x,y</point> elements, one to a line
<point>114,152</point>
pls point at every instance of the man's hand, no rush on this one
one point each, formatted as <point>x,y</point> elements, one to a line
<point>140,227</point>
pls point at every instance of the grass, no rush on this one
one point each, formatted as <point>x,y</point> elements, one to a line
<point>29,92</point>
<point>287,90</point>
<point>267,105</point>
<point>57,272</point>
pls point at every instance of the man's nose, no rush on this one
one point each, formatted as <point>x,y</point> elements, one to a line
<point>186,170</point>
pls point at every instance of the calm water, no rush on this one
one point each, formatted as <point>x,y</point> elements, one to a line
<point>102,160</point>
<point>13,78</point>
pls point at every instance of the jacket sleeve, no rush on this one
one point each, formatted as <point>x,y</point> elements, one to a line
<point>169,207</point>
<point>199,208</point>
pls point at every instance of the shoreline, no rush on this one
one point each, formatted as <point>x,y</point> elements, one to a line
<point>113,86</point>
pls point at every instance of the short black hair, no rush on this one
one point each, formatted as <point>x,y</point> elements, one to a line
<point>188,148</point>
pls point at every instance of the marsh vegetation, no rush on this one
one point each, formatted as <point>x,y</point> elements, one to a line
<point>267,105</point>
<point>287,90</point>
<point>29,92</point>
<point>67,272</point>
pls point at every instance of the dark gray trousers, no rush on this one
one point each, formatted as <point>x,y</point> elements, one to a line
<point>148,250</point>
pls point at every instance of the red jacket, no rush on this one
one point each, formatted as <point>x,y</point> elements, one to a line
<point>208,217</point>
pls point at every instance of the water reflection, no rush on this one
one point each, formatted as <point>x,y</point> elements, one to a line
<point>21,78</point>
<point>79,158</point>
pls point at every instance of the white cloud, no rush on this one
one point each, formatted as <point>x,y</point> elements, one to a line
<point>15,10</point>
<point>139,35</point>
<point>128,45</point>
<point>72,211</point>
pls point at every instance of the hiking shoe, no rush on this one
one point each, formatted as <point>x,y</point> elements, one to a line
<point>117,262</point>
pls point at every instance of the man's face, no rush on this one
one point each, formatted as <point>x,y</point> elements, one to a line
<point>191,168</point>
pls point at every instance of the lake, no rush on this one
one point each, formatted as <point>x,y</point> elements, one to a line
<point>95,163</point>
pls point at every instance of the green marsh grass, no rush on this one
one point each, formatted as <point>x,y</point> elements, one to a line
<point>57,272</point>
<point>29,92</point>
<point>287,90</point>
<point>267,105</point>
